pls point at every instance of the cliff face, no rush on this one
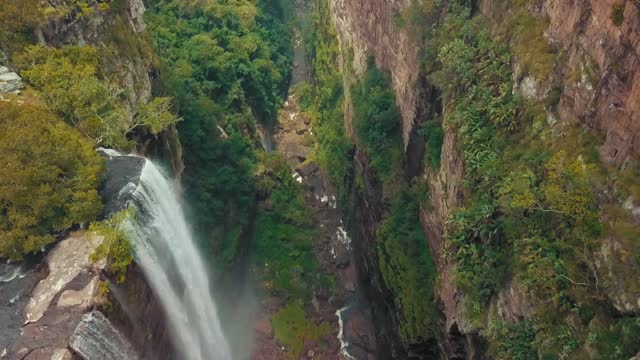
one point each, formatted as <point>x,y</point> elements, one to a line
<point>595,74</point>
<point>127,58</point>
<point>604,59</point>
<point>368,28</point>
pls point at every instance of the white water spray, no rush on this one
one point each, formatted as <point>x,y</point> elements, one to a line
<point>168,255</point>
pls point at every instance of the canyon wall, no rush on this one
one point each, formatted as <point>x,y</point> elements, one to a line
<point>596,74</point>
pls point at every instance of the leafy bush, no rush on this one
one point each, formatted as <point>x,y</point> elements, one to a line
<point>377,122</point>
<point>116,244</point>
<point>71,83</point>
<point>515,341</point>
<point>17,18</point>
<point>292,328</point>
<point>48,180</point>
<point>407,268</point>
<point>284,233</point>
<point>434,136</point>
<point>615,340</point>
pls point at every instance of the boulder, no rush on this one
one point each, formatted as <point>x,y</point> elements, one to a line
<point>9,81</point>
<point>122,176</point>
<point>295,150</point>
<point>66,261</point>
<point>96,338</point>
<point>307,168</point>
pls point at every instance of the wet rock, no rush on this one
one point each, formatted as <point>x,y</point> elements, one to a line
<point>96,338</point>
<point>66,261</point>
<point>122,176</point>
<point>16,282</point>
<point>79,298</point>
<point>9,81</point>
<point>62,354</point>
<point>307,168</point>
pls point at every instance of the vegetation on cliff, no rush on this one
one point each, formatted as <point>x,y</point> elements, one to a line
<point>227,66</point>
<point>405,262</point>
<point>72,83</point>
<point>48,180</point>
<point>334,147</point>
<point>530,214</point>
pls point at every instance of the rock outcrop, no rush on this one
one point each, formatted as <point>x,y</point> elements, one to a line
<point>69,287</point>
<point>96,338</point>
<point>10,82</point>
<point>60,299</point>
<point>367,27</point>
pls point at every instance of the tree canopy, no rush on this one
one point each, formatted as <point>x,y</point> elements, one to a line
<point>48,180</point>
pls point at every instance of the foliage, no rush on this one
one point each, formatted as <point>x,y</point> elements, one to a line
<point>530,211</point>
<point>407,268</point>
<point>116,245</point>
<point>616,339</point>
<point>284,233</point>
<point>48,180</point>
<point>227,65</point>
<point>292,328</point>
<point>617,13</point>
<point>434,136</point>
<point>17,18</point>
<point>553,97</point>
<point>334,147</point>
<point>377,122</point>
<point>515,341</point>
<point>528,43</point>
<point>71,82</point>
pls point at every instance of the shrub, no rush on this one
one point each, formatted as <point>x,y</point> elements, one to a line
<point>377,122</point>
<point>292,328</point>
<point>434,136</point>
<point>407,268</point>
<point>71,83</point>
<point>284,233</point>
<point>116,244</point>
<point>48,180</point>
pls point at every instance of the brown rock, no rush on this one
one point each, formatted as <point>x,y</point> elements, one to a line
<point>307,168</point>
<point>263,328</point>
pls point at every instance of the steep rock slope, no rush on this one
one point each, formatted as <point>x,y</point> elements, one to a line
<point>579,60</point>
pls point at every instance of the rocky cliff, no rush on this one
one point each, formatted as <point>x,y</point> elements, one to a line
<point>579,59</point>
<point>127,57</point>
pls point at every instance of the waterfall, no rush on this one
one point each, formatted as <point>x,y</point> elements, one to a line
<point>166,251</point>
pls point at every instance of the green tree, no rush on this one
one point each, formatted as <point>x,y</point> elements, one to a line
<point>48,180</point>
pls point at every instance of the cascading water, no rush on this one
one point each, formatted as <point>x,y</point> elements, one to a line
<point>169,257</point>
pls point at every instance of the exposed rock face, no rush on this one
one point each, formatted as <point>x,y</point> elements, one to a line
<point>367,27</point>
<point>122,175</point>
<point>65,261</point>
<point>615,262</point>
<point>59,300</point>
<point>96,338</point>
<point>9,81</point>
<point>130,68</point>
<point>606,57</point>
<point>69,288</point>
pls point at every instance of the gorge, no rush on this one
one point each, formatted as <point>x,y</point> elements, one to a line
<point>319,179</point>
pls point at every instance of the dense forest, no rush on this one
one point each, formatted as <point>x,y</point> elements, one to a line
<point>504,198</point>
